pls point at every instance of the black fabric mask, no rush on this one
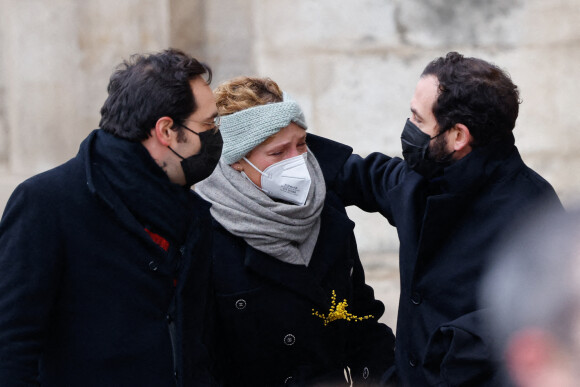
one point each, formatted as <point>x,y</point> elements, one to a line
<point>415,145</point>
<point>201,165</point>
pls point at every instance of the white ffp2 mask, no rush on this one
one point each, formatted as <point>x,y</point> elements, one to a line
<point>288,180</point>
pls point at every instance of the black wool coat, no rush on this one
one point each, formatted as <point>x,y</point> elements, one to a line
<point>446,228</point>
<point>270,335</point>
<point>87,298</point>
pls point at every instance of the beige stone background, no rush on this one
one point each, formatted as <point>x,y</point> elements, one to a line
<point>351,64</point>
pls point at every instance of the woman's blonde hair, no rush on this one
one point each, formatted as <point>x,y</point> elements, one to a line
<point>245,92</point>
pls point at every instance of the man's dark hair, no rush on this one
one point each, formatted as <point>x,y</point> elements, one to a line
<point>148,87</point>
<point>477,94</point>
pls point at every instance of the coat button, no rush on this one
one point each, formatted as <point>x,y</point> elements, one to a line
<point>289,339</point>
<point>153,266</point>
<point>287,380</point>
<point>413,362</point>
<point>365,372</point>
<point>241,304</point>
<point>416,298</point>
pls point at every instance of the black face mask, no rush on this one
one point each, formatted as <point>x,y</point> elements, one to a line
<point>201,165</point>
<point>415,145</point>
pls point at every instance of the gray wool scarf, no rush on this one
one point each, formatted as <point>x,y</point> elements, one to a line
<point>284,231</point>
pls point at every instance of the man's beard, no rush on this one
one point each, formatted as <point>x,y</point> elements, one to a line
<point>438,152</point>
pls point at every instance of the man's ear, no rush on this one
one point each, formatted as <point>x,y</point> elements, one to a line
<point>459,141</point>
<point>461,137</point>
<point>163,131</point>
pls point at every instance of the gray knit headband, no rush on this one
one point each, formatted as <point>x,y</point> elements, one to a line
<point>244,130</point>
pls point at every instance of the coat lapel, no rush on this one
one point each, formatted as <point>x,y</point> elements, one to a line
<point>296,278</point>
<point>442,213</point>
<point>335,228</point>
<point>301,279</point>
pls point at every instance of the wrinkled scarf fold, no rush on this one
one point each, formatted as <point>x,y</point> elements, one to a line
<point>284,231</point>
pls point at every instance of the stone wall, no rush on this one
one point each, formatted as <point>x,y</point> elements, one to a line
<point>353,66</point>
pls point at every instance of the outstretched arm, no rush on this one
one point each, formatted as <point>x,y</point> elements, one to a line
<point>366,182</point>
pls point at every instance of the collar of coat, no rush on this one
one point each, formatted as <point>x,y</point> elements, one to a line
<point>473,171</point>
<point>100,187</point>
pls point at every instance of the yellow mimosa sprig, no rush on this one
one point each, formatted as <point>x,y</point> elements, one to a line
<point>339,312</point>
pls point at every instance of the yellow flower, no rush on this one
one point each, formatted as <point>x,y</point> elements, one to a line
<point>338,312</point>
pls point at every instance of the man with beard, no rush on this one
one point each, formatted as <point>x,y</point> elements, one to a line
<point>460,184</point>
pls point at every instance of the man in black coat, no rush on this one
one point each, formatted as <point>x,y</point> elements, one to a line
<point>460,184</point>
<point>104,260</point>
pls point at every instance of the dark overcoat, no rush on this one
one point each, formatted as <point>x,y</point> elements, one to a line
<point>85,293</point>
<point>265,306</point>
<point>446,229</point>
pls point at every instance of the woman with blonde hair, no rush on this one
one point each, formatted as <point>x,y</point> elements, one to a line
<point>293,307</point>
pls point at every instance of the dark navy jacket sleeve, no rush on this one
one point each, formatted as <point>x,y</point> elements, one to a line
<point>365,182</point>
<point>28,285</point>
<point>458,353</point>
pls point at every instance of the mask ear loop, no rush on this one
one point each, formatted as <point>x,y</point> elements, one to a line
<point>175,153</point>
<point>437,135</point>
<point>250,180</point>
<point>256,168</point>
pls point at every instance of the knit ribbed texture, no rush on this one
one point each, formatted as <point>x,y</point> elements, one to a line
<point>244,130</point>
